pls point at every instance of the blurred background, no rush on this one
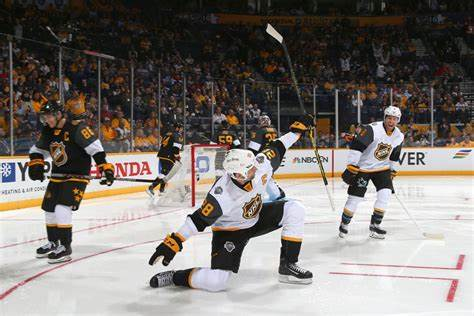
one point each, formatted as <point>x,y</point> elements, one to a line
<point>140,66</point>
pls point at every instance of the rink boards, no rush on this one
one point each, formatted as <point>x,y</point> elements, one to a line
<point>18,191</point>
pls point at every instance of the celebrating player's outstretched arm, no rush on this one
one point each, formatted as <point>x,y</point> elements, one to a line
<point>235,211</point>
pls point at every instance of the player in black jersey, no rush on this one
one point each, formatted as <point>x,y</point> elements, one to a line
<point>227,137</point>
<point>169,158</point>
<point>263,137</point>
<point>70,144</point>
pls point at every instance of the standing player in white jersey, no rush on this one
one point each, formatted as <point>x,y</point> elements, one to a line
<point>235,211</point>
<point>373,154</point>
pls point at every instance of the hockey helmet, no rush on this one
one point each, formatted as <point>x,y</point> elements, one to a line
<point>392,111</point>
<point>239,161</point>
<point>50,108</point>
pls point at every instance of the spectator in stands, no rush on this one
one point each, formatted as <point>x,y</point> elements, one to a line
<point>4,145</point>
<point>218,117</point>
<point>141,142</point>
<point>232,119</point>
<point>109,135</point>
<point>154,139</point>
<point>467,142</point>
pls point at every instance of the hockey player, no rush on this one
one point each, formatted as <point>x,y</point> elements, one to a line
<point>263,137</point>
<point>236,212</point>
<point>70,144</point>
<point>224,137</point>
<point>227,137</point>
<point>169,158</point>
<point>373,154</point>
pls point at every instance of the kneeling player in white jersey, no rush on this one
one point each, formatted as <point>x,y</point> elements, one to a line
<point>373,153</point>
<point>236,212</point>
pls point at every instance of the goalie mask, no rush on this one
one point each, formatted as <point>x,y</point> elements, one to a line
<point>264,121</point>
<point>239,162</point>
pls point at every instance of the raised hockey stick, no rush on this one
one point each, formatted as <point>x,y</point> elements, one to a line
<point>274,33</point>
<point>77,176</point>
<point>426,235</point>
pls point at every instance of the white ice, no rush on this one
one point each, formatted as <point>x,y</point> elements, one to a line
<point>114,238</point>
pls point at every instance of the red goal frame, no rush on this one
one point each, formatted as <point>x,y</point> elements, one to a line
<point>194,147</point>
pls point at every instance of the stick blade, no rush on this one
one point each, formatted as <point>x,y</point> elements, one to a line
<point>274,33</point>
<point>436,236</point>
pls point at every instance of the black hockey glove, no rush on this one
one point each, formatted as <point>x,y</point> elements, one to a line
<point>302,124</point>
<point>107,171</point>
<point>349,175</point>
<point>36,168</point>
<point>170,246</point>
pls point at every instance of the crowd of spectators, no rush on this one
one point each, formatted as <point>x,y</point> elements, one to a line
<point>209,64</point>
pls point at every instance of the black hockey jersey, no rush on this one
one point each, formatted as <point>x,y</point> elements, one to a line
<point>226,137</point>
<point>262,138</point>
<point>171,145</point>
<point>70,147</point>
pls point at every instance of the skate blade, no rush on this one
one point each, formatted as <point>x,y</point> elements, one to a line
<point>59,260</point>
<point>292,280</point>
<point>376,236</point>
<point>41,256</point>
<point>150,194</point>
<point>342,235</point>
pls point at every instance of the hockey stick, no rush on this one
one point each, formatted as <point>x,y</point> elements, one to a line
<point>426,235</point>
<point>274,33</point>
<point>77,176</point>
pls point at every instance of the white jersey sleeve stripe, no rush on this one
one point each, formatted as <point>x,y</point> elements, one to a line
<point>255,146</point>
<point>37,150</point>
<point>94,148</point>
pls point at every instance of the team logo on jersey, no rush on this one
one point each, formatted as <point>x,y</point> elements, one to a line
<point>362,183</point>
<point>253,207</point>
<point>264,179</point>
<point>229,246</point>
<point>383,151</point>
<point>58,153</point>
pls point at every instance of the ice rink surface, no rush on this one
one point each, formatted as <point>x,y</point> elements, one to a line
<point>114,237</point>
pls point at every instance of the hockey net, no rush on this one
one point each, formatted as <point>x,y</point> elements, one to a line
<point>200,165</point>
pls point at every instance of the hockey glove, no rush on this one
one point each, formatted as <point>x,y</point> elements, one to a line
<point>349,175</point>
<point>393,174</point>
<point>302,124</point>
<point>170,246</point>
<point>107,171</point>
<point>36,167</point>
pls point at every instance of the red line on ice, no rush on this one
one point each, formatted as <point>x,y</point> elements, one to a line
<point>94,227</point>
<point>459,265</point>
<point>452,291</point>
<point>449,297</point>
<point>28,280</point>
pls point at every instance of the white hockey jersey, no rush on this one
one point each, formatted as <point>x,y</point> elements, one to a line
<point>241,205</point>
<point>233,206</point>
<point>373,149</point>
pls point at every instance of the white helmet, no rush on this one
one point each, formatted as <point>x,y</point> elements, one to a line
<point>392,111</point>
<point>239,161</point>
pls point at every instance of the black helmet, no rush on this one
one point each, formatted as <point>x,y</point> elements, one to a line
<point>51,107</point>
